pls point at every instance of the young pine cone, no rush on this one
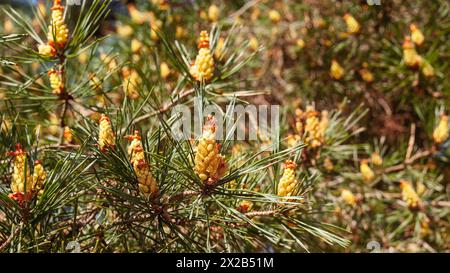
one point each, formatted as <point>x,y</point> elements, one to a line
<point>39,176</point>
<point>105,135</point>
<point>135,149</point>
<point>352,25</point>
<point>56,81</point>
<point>441,132</point>
<point>58,33</point>
<point>21,182</point>
<point>409,195</point>
<point>288,185</point>
<point>367,174</point>
<point>209,163</point>
<point>416,35</point>
<point>203,68</point>
<point>410,55</point>
<point>147,184</point>
<point>336,70</point>
<point>47,50</point>
<point>348,197</point>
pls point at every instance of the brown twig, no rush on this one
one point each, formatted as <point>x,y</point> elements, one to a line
<point>182,195</point>
<point>10,238</point>
<point>261,213</point>
<point>411,160</point>
<point>59,146</point>
<point>412,138</point>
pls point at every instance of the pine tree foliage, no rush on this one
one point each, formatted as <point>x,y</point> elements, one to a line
<point>88,155</point>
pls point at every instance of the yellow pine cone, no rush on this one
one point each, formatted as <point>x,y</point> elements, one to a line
<point>136,46</point>
<point>315,129</point>
<point>352,25</point>
<point>124,31</point>
<point>348,197</point>
<point>427,69</point>
<point>219,48</point>
<point>56,81</point>
<point>409,195</point>
<point>292,140</point>
<point>274,16</point>
<point>209,163</point>
<point>8,26</point>
<point>425,227</point>
<point>147,184</point>
<point>135,149</point>
<point>366,75</point>
<point>39,176</point>
<point>180,32</point>
<point>58,33</point>
<point>162,4</point>
<point>155,26</point>
<point>213,13</point>
<point>67,134</point>
<point>416,35</point>
<point>46,50</point>
<point>253,43</point>
<point>300,43</point>
<point>21,182</point>
<point>311,129</point>
<point>410,56</point>
<point>328,164</point>
<point>105,135</point>
<point>441,132</point>
<point>421,188</point>
<point>367,174</point>
<point>137,16</point>
<point>376,159</point>
<point>323,125</point>
<point>131,83</point>
<point>164,70</point>
<point>336,70</point>
<point>288,184</point>
<point>203,68</point>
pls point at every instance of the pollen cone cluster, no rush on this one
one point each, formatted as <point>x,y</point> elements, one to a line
<point>147,184</point>
<point>367,174</point>
<point>105,134</point>
<point>56,81</point>
<point>58,33</point>
<point>309,127</point>
<point>352,25</point>
<point>46,50</point>
<point>416,35</point>
<point>409,195</point>
<point>131,82</point>
<point>23,185</point>
<point>441,132</point>
<point>203,68</point>
<point>410,55</point>
<point>376,159</point>
<point>209,163</point>
<point>288,184</point>
<point>348,197</point>
<point>39,176</point>
<point>336,70</point>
